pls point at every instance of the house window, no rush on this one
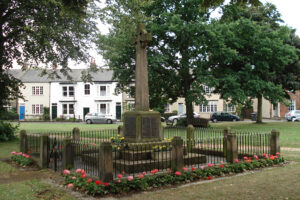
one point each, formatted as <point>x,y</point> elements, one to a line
<point>65,108</point>
<point>37,90</point>
<point>65,91</point>
<point>71,91</point>
<point>103,108</point>
<point>37,109</point>
<point>68,108</point>
<point>207,89</point>
<point>87,89</point>
<point>103,90</point>
<point>292,105</point>
<point>68,91</point>
<point>230,108</point>
<point>212,106</point>
<point>71,108</point>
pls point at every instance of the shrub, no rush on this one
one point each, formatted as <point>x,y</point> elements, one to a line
<point>148,181</point>
<point>9,115</point>
<point>46,114</point>
<point>7,131</point>
<point>21,158</point>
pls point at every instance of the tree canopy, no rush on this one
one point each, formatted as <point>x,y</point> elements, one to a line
<point>257,58</point>
<point>177,56</point>
<point>42,33</point>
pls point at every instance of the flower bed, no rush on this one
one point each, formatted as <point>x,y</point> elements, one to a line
<point>21,158</point>
<point>145,181</point>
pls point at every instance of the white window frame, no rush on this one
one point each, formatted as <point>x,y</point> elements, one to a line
<point>68,108</point>
<point>104,94</point>
<point>212,106</point>
<point>107,108</point>
<point>292,105</point>
<point>87,91</point>
<point>37,90</point>
<point>230,108</point>
<point>37,109</point>
<point>207,90</point>
<point>68,91</point>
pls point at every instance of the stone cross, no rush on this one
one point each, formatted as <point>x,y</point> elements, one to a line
<point>141,39</point>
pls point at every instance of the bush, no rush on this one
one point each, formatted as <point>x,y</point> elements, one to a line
<point>7,131</point>
<point>21,158</point>
<point>9,115</point>
<point>46,114</point>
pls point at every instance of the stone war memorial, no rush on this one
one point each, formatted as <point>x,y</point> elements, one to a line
<point>142,125</point>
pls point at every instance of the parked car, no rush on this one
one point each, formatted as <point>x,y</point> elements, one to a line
<point>293,115</point>
<point>98,118</point>
<point>175,118</point>
<point>224,116</point>
<point>162,119</point>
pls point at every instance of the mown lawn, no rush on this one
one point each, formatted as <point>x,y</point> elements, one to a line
<point>289,131</point>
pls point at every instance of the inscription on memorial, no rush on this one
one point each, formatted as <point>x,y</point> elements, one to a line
<point>150,127</point>
<point>130,124</point>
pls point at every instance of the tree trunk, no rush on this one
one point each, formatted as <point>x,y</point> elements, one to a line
<point>259,109</point>
<point>189,111</point>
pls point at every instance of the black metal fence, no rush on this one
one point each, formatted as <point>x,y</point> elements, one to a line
<point>206,147</point>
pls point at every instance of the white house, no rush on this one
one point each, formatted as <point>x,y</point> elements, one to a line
<point>74,99</point>
<point>36,92</point>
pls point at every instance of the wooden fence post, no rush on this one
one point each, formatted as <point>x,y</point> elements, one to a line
<point>23,141</point>
<point>177,160</point>
<point>231,148</point>
<point>76,134</point>
<point>190,130</point>
<point>274,142</point>
<point>105,162</point>
<point>67,154</point>
<point>44,153</point>
<point>226,131</point>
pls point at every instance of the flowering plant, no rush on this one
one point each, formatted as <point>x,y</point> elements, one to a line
<point>158,148</point>
<point>21,158</point>
<point>147,181</point>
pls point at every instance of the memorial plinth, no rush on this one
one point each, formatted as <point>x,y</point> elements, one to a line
<point>142,126</point>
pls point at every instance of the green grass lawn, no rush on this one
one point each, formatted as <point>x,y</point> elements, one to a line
<point>289,131</point>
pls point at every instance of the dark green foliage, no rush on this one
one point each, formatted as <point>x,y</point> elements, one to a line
<point>7,131</point>
<point>148,182</point>
<point>42,33</point>
<point>9,115</point>
<point>46,114</point>
<point>177,55</point>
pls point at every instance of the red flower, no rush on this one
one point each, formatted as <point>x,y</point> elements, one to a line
<point>89,180</point>
<point>193,169</point>
<point>106,184</point>
<point>221,166</point>
<point>245,158</point>
<point>98,182</point>
<point>82,171</point>
<point>209,178</point>
<point>272,157</point>
<point>236,160</point>
<point>184,169</point>
<point>170,171</point>
<point>278,154</point>
<point>141,176</point>
<point>249,161</point>
<point>83,176</point>
<point>177,173</point>
<point>120,175</point>
<point>123,172</point>
<point>59,147</point>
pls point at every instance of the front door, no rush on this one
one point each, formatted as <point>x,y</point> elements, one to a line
<point>21,112</point>
<point>118,111</point>
<point>54,111</point>
<point>85,111</point>
<point>180,108</point>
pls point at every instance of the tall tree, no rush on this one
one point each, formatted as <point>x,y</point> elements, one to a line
<point>177,55</point>
<point>42,33</point>
<point>256,55</point>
